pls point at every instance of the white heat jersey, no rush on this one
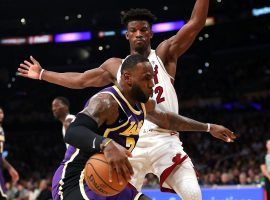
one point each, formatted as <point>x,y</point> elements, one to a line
<point>164,93</point>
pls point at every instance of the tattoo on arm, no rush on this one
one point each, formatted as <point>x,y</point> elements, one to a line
<point>102,108</point>
<point>172,121</point>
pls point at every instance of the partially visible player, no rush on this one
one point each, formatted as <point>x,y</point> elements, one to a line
<point>265,168</point>
<point>3,162</point>
<point>115,116</point>
<point>60,109</point>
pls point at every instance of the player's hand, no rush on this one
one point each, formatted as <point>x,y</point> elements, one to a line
<point>117,157</point>
<point>14,175</point>
<point>30,69</point>
<point>222,133</point>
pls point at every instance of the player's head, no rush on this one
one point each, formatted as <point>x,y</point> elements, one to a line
<point>138,23</point>
<point>60,107</point>
<point>137,76</point>
<point>1,115</point>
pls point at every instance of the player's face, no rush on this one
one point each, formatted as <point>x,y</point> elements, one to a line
<point>1,115</point>
<point>139,34</point>
<point>142,87</point>
<point>58,109</point>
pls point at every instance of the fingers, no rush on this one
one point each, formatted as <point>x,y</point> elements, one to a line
<point>24,66</point>
<point>119,174</point>
<point>28,63</point>
<point>23,71</point>
<point>111,168</point>
<point>33,60</point>
<point>21,74</point>
<point>129,167</point>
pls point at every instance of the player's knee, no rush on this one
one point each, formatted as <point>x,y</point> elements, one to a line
<point>144,197</point>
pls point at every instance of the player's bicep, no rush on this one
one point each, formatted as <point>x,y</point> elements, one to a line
<point>97,77</point>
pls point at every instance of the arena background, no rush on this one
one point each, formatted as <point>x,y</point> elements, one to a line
<point>223,78</point>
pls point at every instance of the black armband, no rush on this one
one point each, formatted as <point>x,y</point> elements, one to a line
<point>82,133</point>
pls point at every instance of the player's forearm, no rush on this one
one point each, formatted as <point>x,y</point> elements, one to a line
<point>265,172</point>
<point>6,164</point>
<point>199,13</point>
<point>172,121</point>
<point>69,79</point>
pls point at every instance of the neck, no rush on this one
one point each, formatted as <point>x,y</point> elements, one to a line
<point>268,151</point>
<point>144,53</point>
<point>62,119</point>
<point>128,96</point>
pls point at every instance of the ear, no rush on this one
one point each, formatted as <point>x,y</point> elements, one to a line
<point>127,35</point>
<point>127,78</point>
<point>151,34</point>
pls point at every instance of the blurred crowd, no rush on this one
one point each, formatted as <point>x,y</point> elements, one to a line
<point>216,162</point>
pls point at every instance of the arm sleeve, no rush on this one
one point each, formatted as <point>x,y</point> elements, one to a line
<point>82,134</point>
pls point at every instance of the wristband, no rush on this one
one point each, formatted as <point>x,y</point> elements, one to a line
<point>208,127</point>
<point>40,74</point>
<point>106,144</point>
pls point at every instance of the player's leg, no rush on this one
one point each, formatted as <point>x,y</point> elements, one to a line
<point>140,164</point>
<point>175,170</point>
<point>183,181</point>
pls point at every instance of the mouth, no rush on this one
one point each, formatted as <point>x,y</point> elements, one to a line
<point>139,41</point>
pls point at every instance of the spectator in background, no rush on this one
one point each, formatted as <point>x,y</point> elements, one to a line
<point>60,109</point>
<point>243,178</point>
<point>265,168</point>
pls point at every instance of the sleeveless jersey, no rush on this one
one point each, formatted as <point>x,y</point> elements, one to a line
<point>164,93</point>
<point>125,131</point>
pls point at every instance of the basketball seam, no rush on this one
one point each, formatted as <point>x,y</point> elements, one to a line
<point>98,160</point>
<point>102,178</point>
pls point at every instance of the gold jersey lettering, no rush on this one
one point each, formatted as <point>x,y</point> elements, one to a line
<point>133,129</point>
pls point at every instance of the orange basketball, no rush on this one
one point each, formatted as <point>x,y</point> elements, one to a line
<point>96,175</point>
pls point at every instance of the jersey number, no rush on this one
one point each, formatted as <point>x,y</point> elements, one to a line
<point>130,142</point>
<point>159,92</point>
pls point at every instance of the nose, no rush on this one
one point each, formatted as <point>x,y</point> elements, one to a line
<point>138,34</point>
<point>151,83</point>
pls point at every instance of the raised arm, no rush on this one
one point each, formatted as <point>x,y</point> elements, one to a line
<point>82,134</point>
<point>172,121</point>
<point>97,77</point>
<point>170,50</point>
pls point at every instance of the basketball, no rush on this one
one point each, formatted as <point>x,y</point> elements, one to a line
<point>96,174</point>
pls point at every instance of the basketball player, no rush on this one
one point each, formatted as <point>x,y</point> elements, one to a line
<point>60,109</point>
<point>110,123</point>
<point>265,168</point>
<point>171,164</point>
<point>4,163</point>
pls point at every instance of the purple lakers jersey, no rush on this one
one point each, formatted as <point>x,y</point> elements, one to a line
<point>125,131</point>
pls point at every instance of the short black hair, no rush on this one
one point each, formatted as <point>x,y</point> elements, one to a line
<point>132,60</point>
<point>64,100</point>
<point>136,14</point>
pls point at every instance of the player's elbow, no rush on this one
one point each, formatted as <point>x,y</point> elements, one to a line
<point>69,136</point>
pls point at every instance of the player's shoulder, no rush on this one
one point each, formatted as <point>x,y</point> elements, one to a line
<point>113,61</point>
<point>104,102</point>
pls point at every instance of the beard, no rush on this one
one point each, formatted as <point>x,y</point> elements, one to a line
<point>140,49</point>
<point>138,94</point>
